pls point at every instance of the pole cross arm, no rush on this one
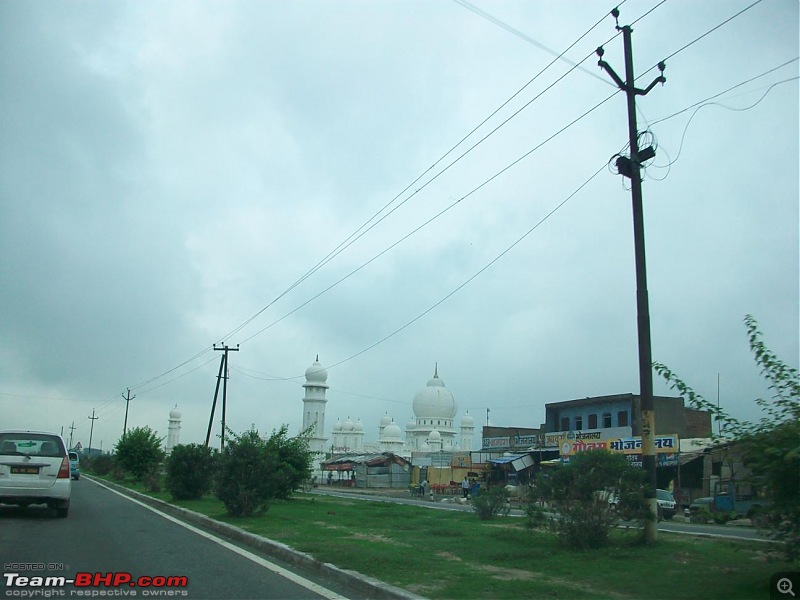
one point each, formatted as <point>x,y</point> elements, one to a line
<point>624,86</point>
<point>660,79</point>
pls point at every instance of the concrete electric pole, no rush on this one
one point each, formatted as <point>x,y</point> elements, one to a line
<point>631,168</point>
<point>91,431</point>
<point>127,399</point>
<point>222,376</point>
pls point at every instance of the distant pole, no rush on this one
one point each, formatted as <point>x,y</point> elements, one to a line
<point>631,168</point>
<point>127,399</point>
<point>214,404</point>
<point>71,429</point>
<point>91,431</point>
<point>224,371</point>
<point>719,421</point>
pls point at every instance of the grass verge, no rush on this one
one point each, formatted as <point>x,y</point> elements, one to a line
<point>444,554</point>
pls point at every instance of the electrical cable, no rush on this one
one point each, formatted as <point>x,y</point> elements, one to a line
<point>150,389</point>
<point>697,39</point>
<point>431,219</point>
<point>361,231</point>
<point>530,40</point>
<point>352,238</point>
<point>340,248</point>
<point>472,277</point>
<point>737,109</point>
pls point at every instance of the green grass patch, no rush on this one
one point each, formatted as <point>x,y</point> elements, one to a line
<point>444,554</point>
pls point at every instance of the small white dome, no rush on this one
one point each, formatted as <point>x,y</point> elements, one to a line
<point>348,425</point>
<point>385,420</point>
<point>337,426</point>
<point>316,373</point>
<point>467,421</point>
<point>392,433</point>
<point>175,414</point>
<point>359,426</point>
<point>434,436</point>
<point>411,425</point>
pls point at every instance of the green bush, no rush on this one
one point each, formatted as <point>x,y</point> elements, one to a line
<point>138,452</point>
<point>190,471</point>
<point>252,471</point>
<point>99,465</point>
<point>579,492</point>
<point>491,502</point>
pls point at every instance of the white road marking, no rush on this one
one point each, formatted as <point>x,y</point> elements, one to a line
<point>310,585</point>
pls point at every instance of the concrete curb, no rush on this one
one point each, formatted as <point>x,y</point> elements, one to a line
<point>361,584</point>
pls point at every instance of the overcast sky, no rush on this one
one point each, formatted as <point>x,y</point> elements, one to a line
<point>171,169</point>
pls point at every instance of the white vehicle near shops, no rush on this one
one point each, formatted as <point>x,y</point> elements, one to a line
<point>34,469</point>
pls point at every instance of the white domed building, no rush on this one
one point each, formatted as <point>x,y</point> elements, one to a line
<point>434,412</point>
<point>432,429</point>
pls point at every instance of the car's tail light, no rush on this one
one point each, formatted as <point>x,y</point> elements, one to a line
<point>63,472</point>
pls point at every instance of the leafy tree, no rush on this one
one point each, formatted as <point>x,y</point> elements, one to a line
<point>139,452</point>
<point>770,446</point>
<point>253,471</point>
<point>190,471</point>
<point>587,494</point>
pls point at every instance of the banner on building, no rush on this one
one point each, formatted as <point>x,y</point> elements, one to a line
<point>631,446</point>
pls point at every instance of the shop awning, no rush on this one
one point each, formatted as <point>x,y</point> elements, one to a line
<point>517,461</point>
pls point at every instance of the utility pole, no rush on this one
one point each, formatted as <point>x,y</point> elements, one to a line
<point>631,168</point>
<point>71,429</point>
<point>221,376</point>
<point>127,403</point>
<point>91,431</point>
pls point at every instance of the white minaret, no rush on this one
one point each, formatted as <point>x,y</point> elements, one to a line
<point>314,406</point>
<point>467,431</point>
<point>174,429</point>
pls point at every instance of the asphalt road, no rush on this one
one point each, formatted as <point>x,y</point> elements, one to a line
<point>108,533</point>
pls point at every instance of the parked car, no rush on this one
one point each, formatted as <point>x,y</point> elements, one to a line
<point>74,466</point>
<point>666,504</point>
<point>35,469</point>
<point>698,509</point>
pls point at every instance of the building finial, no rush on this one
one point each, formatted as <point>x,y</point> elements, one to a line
<point>317,357</point>
<point>436,371</point>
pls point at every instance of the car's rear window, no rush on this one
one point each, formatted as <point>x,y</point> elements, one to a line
<point>73,456</point>
<point>31,444</point>
<point>664,495</point>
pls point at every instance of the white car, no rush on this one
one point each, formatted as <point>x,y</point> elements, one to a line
<point>34,469</point>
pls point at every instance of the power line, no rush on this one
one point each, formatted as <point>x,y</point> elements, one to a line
<point>356,235</point>
<point>365,227</point>
<point>189,372</point>
<point>697,39</point>
<point>433,218</point>
<point>530,40</point>
<point>704,105</point>
<point>474,276</point>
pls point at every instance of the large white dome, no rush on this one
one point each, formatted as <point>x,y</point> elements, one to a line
<point>435,401</point>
